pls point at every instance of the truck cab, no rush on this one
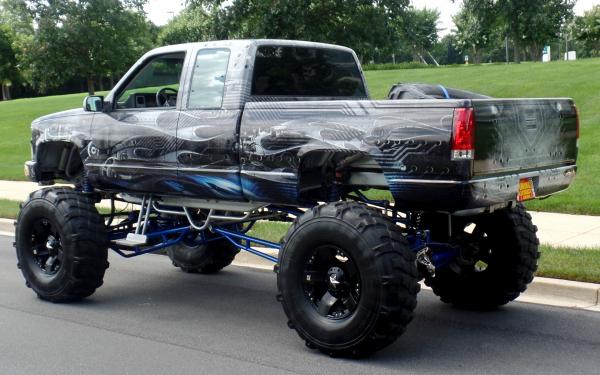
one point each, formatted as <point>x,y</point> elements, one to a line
<point>172,123</point>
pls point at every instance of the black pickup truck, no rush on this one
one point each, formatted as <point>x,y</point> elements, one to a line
<point>207,139</point>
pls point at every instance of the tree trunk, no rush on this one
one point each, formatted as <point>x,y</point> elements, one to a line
<point>5,92</point>
<point>90,86</point>
<point>516,52</point>
<point>534,53</point>
<point>476,55</point>
<point>112,81</point>
<point>416,56</point>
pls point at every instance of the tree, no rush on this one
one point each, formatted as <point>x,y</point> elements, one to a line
<point>367,26</point>
<point>8,63</point>
<point>533,23</point>
<point>418,30</point>
<point>445,51</point>
<point>587,32</point>
<point>83,38</point>
<point>193,24</point>
<point>18,28</point>
<point>476,23</point>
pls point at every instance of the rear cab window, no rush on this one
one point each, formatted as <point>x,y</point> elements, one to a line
<point>291,71</point>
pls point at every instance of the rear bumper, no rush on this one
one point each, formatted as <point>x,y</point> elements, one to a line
<point>478,193</point>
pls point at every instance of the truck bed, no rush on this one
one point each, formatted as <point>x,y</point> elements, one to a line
<point>409,142</point>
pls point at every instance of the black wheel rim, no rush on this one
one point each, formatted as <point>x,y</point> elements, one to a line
<point>192,240</point>
<point>331,282</point>
<point>46,247</point>
<point>477,247</point>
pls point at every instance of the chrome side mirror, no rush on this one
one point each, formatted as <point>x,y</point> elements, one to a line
<point>93,103</point>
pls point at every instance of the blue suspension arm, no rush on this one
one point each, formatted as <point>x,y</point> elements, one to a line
<point>231,236</point>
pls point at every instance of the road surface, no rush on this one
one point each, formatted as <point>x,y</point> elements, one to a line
<point>150,318</point>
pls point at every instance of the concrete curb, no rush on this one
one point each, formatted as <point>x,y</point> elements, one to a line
<point>545,291</point>
<point>564,293</point>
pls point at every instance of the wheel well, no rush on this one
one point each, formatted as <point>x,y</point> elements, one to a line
<point>59,160</point>
<point>325,175</point>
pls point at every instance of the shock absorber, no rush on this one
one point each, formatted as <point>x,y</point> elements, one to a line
<point>333,193</point>
<point>86,185</point>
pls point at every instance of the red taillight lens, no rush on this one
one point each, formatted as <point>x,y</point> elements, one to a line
<point>463,134</point>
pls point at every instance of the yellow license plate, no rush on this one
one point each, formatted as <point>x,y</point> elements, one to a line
<point>526,191</point>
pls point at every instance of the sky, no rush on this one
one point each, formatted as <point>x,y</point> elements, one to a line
<point>447,9</point>
<point>161,11</point>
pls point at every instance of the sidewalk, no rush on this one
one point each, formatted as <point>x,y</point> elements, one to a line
<point>553,229</point>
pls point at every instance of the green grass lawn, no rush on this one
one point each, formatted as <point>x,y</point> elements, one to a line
<point>579,80</point>
<point>9,209</point>
<point>570,264</point>
<point>15,132</point>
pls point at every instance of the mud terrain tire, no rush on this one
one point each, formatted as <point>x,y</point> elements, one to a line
<point>61,244</point>
<point>512,245</point>
<point>363,261</point>
<point>208,258</point>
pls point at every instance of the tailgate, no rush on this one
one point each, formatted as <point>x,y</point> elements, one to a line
<point>518,136</point>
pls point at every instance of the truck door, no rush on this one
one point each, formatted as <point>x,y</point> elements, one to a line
<point>134,145</point>
<point>207,139</point>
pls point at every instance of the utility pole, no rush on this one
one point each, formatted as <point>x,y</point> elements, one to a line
<point>506,45</point>
<point>567,46</point>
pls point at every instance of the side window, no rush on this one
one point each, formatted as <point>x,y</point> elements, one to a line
<point>208,80</point>
<point>155,85</point>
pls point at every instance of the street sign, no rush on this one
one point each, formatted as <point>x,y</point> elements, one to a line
<point>546,56</point>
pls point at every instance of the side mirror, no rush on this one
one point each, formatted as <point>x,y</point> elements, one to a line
<point>93,103</point>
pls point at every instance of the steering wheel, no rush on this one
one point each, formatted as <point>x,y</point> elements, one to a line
<point>162,100</point>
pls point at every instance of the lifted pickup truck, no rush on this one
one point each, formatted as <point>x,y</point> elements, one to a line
<point>206,139</point>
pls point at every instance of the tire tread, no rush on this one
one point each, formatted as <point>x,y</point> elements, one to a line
<point>397,273</point>
<point>84,237</point>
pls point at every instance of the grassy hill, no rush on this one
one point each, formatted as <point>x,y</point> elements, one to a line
<point>579,80</point>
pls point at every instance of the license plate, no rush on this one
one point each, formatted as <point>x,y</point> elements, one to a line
<point>526,191</point>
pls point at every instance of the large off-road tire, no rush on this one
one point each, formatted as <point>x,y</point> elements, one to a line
<point>207,258</point>
<point>346,279</point>
<point>505,248</point>
<point>61,244</point>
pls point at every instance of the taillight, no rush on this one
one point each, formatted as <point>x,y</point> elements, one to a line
<point>463,134</point>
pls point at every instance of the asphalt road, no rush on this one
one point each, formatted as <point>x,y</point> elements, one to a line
<point>153,319</point>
